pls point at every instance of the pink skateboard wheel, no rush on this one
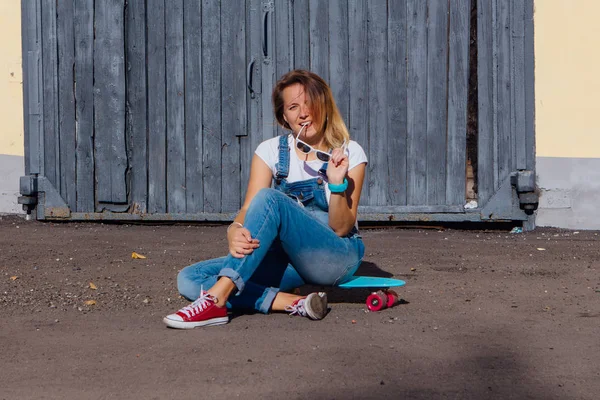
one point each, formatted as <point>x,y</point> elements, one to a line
<point>392,298</point>
<point>377,301</point>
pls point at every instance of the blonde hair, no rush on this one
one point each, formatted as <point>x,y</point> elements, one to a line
<point>321,102</point>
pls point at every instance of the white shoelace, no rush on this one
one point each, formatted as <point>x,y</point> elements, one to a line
<point>199,304</point>
<point>297,308</point>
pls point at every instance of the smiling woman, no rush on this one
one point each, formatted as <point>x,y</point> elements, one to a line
<point>303,230</point>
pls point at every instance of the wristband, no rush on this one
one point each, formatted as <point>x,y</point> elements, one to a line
<point>338,188</point>
<point>234,223</point>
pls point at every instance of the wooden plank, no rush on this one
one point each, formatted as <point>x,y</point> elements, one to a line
<point>157,118</point>
<point>503,83</point>
<point>211,109</point>
<point>283,45</point>
<point>254,51</point>
<point>136,103</point>
<point>66,101</point>
<point>518,73</point>
<point>301,34</point>
<point>50,94</point>
<point>83,24</point>
<point>32,81</point>
<point>458,92</point>
<point>377,113</point>
<point>339,79</point>
<point>437,101</point>
<point>233,59</point>
<point>358,68</point>
<point>486,130</point>
<point>529,50</point>
<point>192,41</point>
<point>268,69</point>
<point>318,17</point>
<point>396,103</point>
<point>417,103</point>
<point>109,102</point>
<point>175,107</point>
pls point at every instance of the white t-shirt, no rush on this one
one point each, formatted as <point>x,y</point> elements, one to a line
<point>301,170</point>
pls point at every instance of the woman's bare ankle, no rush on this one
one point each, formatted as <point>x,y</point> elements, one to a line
<point>222,290</point>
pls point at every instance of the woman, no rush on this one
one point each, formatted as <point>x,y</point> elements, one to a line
<point>303,230</point>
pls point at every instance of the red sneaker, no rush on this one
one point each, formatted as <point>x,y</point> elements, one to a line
<point>201,312</point>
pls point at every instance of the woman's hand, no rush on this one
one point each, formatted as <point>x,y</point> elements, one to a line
<point>240,241</point>
<point>337,168</point>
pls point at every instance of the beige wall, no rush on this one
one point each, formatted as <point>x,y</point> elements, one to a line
<point>11,98</point>
<point>567,78</point>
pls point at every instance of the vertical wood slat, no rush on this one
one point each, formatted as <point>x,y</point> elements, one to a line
<point>301,34</point>
<point>254,52</point>
<point>529,85</point>
<point>176,185</point>
<point>233,56</point>
<point>319,38</point>
<point>417,102</point>
<point>211,106</point>
<point>83,25</point>
<point>66,101</point>
<point>358,80</point>
<point>396,103</point>
<point>518,73</point>
<point>503,82</point>
<point>109,102</point>
<point>32,86</point>
<point>157,119</point>
<point>339,80</point>
<point>283,46</point>
<point>486,127</point>
<point>377,111</point>
<point>135,57</point>
<point>437,82</point>
<point>50,93</point>
<point>192,41</point>
<point>268,69</point>
<point>458,82</point>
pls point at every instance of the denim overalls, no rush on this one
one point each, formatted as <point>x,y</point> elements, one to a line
<point>297,246</point>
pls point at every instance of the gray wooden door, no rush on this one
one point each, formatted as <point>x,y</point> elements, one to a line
<point>152,109</point>
<point>399,73</point>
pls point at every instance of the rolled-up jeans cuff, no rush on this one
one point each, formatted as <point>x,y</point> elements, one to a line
<point>235,278</point>
<point>264,303</point>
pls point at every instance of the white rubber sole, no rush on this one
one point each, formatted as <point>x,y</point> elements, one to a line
<point>316,305</point>
<point>191,325</point>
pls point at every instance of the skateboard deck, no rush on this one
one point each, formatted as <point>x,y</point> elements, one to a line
<point>380,299</point>
<point>372,282</point>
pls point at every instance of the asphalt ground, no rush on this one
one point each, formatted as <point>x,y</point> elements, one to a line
<point>485,315</point>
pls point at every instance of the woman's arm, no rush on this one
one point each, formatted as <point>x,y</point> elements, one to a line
<point>343,207</point>
<point>241,242</point>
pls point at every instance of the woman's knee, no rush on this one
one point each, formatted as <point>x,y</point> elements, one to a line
<point>266,196</point>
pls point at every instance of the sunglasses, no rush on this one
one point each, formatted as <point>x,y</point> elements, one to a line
<point>307,148</point>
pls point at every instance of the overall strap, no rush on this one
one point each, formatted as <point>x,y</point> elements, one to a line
<point>283,165</point>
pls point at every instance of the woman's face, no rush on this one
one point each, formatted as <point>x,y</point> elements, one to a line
<point>297,112</point>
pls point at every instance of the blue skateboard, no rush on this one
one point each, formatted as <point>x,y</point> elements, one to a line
<point>380,299</point>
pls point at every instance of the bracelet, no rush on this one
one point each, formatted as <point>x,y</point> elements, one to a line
<point>338,188</point>
<point>233,223</point>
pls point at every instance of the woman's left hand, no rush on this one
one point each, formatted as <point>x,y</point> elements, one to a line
<point>337,168</point>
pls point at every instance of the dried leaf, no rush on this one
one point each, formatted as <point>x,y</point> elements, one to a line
<point>92,286</point>
<point>89,302</point>
<point>14,278</point>
<point>136,255</point>
<point>413,269</point>
<point>541,248</point>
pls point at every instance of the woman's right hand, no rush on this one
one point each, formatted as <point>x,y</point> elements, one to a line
<point>241,242</point>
